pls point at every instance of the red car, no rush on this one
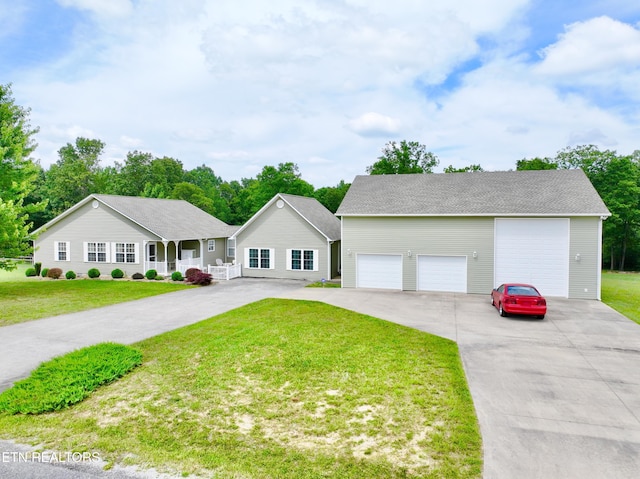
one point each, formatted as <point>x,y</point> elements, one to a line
<point>519,298</point>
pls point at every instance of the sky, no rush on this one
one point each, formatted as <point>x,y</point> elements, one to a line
<point>240,84</point>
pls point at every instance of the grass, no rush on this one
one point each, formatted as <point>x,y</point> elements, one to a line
<point>326,284</point>
<point>37,298</point>
<point>621,291</point>
<point>68,379</point>
<point>16,274</point>
<point>280,389</point>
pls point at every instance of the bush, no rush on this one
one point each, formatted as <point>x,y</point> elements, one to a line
<point>93,273</point>
<point>38,268</point>
<point>70,275</point>
<point>44,272</point>
<point>177,276</point>
<point>54,273</point>
<point>68,379</point>
<point>31,272</point>
<point>200,278</point>
<point>189,274</point>
<point>117,273</point>
<point>159,277</point>
<point>151,274</point>
<point>137,276</point>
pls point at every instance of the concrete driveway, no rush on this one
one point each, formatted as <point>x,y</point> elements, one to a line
<point>557,398</point>
<point>24,346</point>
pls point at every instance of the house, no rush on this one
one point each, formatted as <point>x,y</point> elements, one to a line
<point>133,234</point>
<point>469,232</point>
<point>290,237</point>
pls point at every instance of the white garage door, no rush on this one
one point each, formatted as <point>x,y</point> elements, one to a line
<point>442,273</point>
<point>534,251</point>
<point>379,271</point>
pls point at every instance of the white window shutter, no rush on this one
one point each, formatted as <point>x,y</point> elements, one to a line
<point>315,260</point>
<point>55,250</point>
<point>246,257</point>
<point>289,253</point>
<point>136,250</point>
<point>113,252</point>
<point>272,258</point>
<point>107,252</point>
<point>68,250</point>
<point>85,251</point>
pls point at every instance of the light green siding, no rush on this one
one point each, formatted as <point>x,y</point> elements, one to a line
<point>460,236</point>
<point>91,224</point>
<point>584,274</point>
<point>281,229</point>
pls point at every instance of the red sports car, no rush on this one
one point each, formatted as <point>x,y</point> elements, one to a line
<point>519,299</point>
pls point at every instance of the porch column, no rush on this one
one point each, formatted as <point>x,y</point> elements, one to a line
<point>202,254</point>
<point>166,256</point>
<point>145,256</point>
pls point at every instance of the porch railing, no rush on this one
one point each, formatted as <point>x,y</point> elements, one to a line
<point>183,265</point>
<point>225,272</point>
<point>159,266</point>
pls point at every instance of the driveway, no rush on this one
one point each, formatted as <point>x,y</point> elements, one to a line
<point>24,346</point>
<point>558,398</point>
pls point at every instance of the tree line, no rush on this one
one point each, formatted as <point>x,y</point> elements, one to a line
<point>31,195</point>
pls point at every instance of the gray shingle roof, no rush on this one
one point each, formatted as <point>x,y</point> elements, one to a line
<point>169,219</point>
<point>508,193</point>
<point>316,214</point>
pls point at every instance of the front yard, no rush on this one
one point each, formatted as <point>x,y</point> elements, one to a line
<point>280,389</point>
<point>621,291</point>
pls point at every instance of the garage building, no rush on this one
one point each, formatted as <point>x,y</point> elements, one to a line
<point>469,232</point>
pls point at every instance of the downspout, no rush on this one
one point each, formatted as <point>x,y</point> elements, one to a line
<point>330,260</point>
<point>599,268</point>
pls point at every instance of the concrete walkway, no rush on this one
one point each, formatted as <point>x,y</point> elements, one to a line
<point>24,346</point>
<point>558,398</point>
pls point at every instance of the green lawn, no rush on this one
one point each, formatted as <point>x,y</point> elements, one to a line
<point>279,389</point>
<point>16,274</point>
<point>621,291</point>
<point>39,298</point>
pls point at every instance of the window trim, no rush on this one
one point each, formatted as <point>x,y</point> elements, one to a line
<point>231,250</point>
<point>57,250</point>
<point>135,252</point>
<point>107,250</point>
<point>211,245</point>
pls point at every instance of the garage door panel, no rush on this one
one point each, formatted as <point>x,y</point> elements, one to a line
<point>382,271</point>
<point>533,251</point>
<point>442,273</point>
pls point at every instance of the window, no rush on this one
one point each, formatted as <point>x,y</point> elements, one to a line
<point>62,251</point>
<point>302,259</point>
<point>259,258</point>
<point>126,252</point>
<point>231,247</point>
<point>211,245</point>
<point>95,252</point>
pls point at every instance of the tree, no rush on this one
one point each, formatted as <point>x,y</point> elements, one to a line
<point>407,157</point>
<point>73,176</point>
<point>536,164</point>
<point>134,175</point>
<point>18,174</point>
<point>271,180</point>
<point>194,195</point>
<point>465,169</point>
<point>332,196</point>
<point>166,173</point>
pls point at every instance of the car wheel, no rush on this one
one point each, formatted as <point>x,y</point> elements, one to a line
<point>492,301</point>
<point>541,316</point>
<point>502,312</point>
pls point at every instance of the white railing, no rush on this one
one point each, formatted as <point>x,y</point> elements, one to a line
<point>159,266</point>
<point>225,272</point>
<point>183,265</point>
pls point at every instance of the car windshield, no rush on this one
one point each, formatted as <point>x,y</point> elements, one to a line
<point>521,291</point>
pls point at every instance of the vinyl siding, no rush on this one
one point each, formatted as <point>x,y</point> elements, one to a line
<point>281,229</point>
<point>459,236</point>
<point>584,274</point>
<point>100,224</point>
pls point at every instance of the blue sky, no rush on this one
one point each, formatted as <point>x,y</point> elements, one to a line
<point>237,85</point>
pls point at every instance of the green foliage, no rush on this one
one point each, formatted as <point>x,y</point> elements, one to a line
<point>151,274</point>
<point>536,164</point>
<point>68,379</point>
<point>465,169</point>
<point>93,273</point>
<point>54,273</point>
<point>159,277</point>
<point>137,276</point>
<point>70,275</point>
<point>18,173</point>
<point>30,272</point>
<point>117,273</point>
<point>176,276</point>
<point>331,196</point>
<point>403,158</point>
<point>38,268</point>
<point>44,272</point>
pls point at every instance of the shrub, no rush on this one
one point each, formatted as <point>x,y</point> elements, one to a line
<point>190,273</point>
<point>93,273</point>
<point>68,379</point>
<point>177,276</point>
<point>151,274</point>
<point>70,275</point>
<point>54,273</point>
<point>44,272</point>
<point>38,268</point>
<point>31,272</point>
<point>137,276</point>
<point>117,273</point>
<point>200,278</point>
<point>159,277</point>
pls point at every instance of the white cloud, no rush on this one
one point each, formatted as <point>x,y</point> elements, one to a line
<point>109,8</point>
<point>374,124</point>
